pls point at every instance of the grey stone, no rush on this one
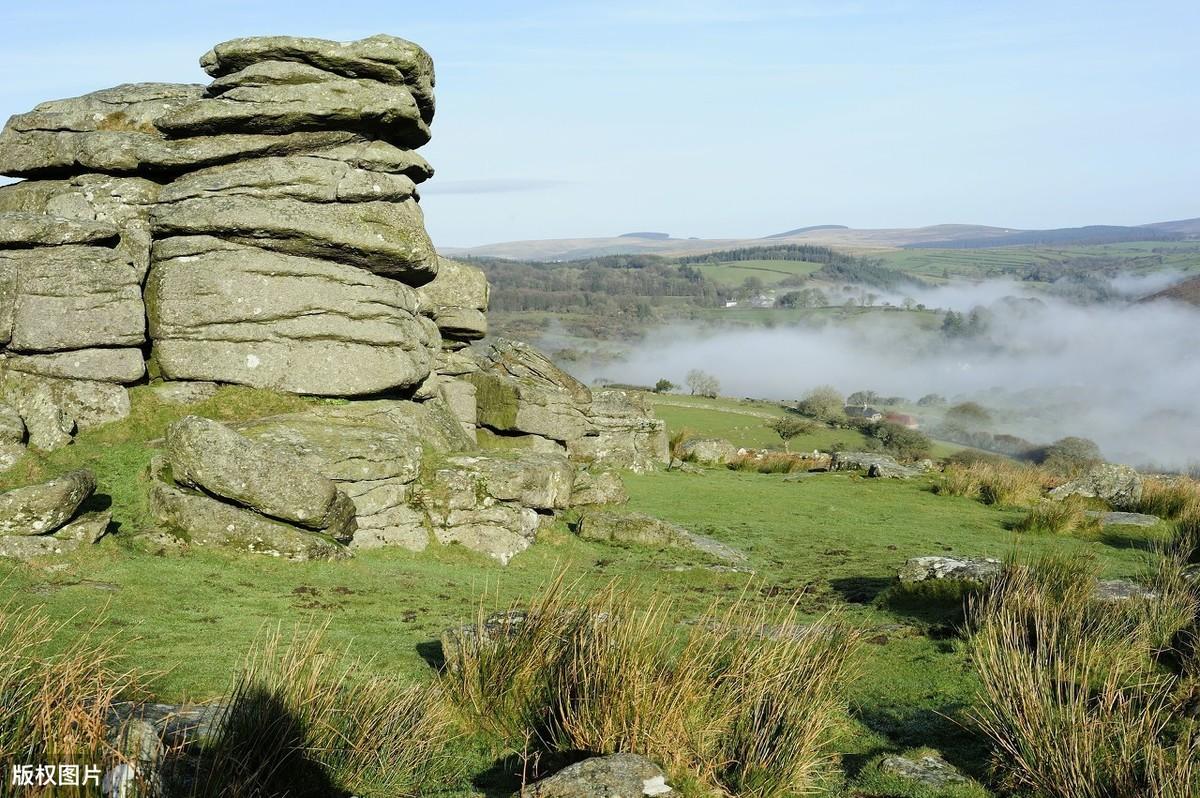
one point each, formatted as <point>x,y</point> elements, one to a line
<point>27,230</point>
<point>231,313</point>
<point>71,297</point>
<point>10,453</point>
<point>500,531</point>
<point>622,433</point>
<point>1119,485</point>
<point>1124,519</point>
<point>604,487</point>
<point>457,300</point>
<point>876,465</point>
<point>17,547</point>
<point>535,480</point>
<point>184,392</point>
<point>399,526</point>
<point>1120,590</point>
<point>208,455</point>
<point>959,569</point>
<point>203,521</point>
<point>526,364</point>
<point>470,638</point>
<point>100,365</point>
<point>123,202</point>
<point>387,238</point>
<point>12,428</point>
<point>285,97</point>
<point>52,406</point>
<point>86,527</point>
<point>295,177</point>
<point>930,770</point>
<point>387,59</point>
<point>42,509</point>
<point>457,363</point>
<point>612,776</point>
<point>526,405</point>
<point>708,451</point>
<point>620,526</point>
<point>379,156</point>
<point>459,396</point>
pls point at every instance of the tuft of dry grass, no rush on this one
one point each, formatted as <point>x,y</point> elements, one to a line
<point>54,706</point>
<point>678,438</point>
<point>1073,699</point>
<point>1066,517</point>
<point>300,722</point>
<point>1171,499</point>
<point>1002,483</point>
<point>771,463</point>
<point>726,703</point>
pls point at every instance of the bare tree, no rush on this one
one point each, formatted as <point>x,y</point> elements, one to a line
<point>702,383</point>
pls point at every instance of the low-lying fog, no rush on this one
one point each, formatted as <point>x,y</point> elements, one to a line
<point>1125,375</point>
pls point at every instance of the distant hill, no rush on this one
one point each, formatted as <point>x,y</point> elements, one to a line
<point>941,236</point>
<point>1187,291</point>
<point>802,230</point>
<point>1188,227</point>
<point>1092,234</point>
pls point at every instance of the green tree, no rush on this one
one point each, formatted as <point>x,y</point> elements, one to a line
<point>823,403</point>
<point>788,427</point>
<point>1071,456</point>
<point>664,386</point>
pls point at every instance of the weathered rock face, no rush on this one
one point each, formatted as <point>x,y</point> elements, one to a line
<point>613,776</point>
<point>457,300</point>
<point>959,569</point>
<point>876,465</point>
<point>267,225</point>
<point>709,451</point>
<point>1119,485</point>
<point>39,520</point>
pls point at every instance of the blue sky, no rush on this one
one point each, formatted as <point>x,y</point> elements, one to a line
<point>567,119</point>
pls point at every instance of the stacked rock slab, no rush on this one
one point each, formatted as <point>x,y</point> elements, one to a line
<point>261,230</point>
<point>264,230</point>
<point>45,519</point>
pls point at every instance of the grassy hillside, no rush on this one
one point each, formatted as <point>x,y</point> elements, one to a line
<point>828,541</point>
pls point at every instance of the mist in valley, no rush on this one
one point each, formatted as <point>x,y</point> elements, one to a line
<point>1125,374</point>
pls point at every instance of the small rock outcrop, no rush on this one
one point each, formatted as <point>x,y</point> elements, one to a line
<point>45,519</point>
<point>612,776</point>
<point>621,526</point>
<point>930,770</point>
<point>875,465</point>
<point>1119,485</point>
<point>959,569</point>
<point>708,451</point>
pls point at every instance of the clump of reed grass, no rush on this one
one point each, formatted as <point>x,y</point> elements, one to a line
<point>300,721</point>
<point>1066,517</point>
<point>1000,483</point>
<point>678,438</point>
<point>771,463</point>
<point>1171,499</point>
<point>55,702</point>
<point>1072,699</point>
<point>722,703</point>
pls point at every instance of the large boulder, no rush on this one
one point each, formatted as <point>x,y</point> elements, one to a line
<point>204,521</point>
<point>612,776</point>
<point>708,451</point>
<point>1119,485</point>
<point>387,238</point>
<point>457,300</point>
<point>233,313</point>
<point>43,509</point>
<point>622,433</point>
<point>525,405</point>
<point>387,59</point>
<point>526,364</point>
<point>209,456</point>
<point>52,407</point>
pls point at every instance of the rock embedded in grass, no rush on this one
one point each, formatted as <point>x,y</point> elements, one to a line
<point>708,451</point>
<point>619,526</point>
<point>1119,485</point>
<point>42,509</point>
<point>959,569</point>
<point>930,770</point>
<point>613,776</point>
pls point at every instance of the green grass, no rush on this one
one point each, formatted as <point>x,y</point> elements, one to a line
<point>770,272</point>
<point>828,541</point>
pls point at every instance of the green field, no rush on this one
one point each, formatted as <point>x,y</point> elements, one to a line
<point>830,541</point>
<point>770,272</point>
<point>1137,257</point>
